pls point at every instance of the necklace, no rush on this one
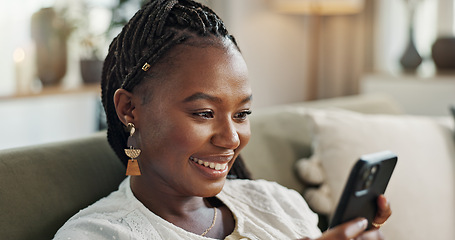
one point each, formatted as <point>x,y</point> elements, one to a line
<point>213,223</point>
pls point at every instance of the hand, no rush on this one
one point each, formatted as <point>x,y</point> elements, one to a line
<point>384,211</point>
<point>355,229</point>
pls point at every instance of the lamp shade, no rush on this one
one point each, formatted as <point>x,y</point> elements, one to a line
<point>319,7</point>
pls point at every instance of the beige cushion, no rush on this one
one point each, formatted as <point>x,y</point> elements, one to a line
<point>281,135</point>
<point>421,190</point>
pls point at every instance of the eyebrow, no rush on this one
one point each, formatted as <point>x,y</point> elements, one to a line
<point>204,96</point>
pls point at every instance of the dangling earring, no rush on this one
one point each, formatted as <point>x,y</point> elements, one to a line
<point>133,167</point>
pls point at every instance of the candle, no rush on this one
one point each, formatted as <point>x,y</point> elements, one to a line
<point>19,62</point>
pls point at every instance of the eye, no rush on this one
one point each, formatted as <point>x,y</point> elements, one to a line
<point>242,115</point>
<point>204,114</point>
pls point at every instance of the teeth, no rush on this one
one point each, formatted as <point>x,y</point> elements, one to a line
<point>219,166</point>
<point>212,165</point>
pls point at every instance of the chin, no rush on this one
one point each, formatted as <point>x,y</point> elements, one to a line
<point>212,189</point>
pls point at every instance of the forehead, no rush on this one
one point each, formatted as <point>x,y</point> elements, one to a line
<point>215,69</point>
<point>206,51</point>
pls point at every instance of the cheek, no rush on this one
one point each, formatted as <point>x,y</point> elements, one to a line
<point>187,136</point>
<point>244,133</point>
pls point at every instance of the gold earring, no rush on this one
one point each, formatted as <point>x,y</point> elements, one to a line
<point>133,167</point>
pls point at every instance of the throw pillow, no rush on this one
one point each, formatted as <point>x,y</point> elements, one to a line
<point>310,171</point>
<point>317,192</point>
<point>422,188</point>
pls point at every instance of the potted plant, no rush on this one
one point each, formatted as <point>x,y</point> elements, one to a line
<point>93,43</point>
<point>91,62</point>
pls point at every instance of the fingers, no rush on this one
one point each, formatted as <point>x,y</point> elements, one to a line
<point>371,235</point>
<point>346,231</point>
<point>354,229</point>
<point>384,210</point>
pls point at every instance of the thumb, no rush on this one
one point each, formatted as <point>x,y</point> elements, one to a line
<point>348,230</point>
<point>355,227</point>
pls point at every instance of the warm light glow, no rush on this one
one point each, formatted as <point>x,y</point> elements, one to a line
<point>19,55</point>
<point>319,7</point>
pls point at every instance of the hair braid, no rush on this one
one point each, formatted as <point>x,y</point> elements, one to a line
<point>156,28</point>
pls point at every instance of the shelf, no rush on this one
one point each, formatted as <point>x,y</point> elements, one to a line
<point>418,95</point>
<point>56,90</point>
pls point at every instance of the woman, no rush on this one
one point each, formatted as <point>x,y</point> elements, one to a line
<point>176,94</point>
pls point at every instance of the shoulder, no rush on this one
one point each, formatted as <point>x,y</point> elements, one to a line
<point>116,204</point>
<point>108,218</point>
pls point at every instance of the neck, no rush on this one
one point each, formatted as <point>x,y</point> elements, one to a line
<point>165,202</point>
<point>192,213</point>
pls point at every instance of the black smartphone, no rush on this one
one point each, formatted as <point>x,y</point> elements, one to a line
<point>368,179</point>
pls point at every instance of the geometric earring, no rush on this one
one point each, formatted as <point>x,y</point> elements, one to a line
<point>133,167</point>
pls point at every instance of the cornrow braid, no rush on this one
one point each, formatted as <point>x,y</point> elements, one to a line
<point>156,28</point>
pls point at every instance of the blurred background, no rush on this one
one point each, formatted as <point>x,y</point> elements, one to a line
<point>297,50</point>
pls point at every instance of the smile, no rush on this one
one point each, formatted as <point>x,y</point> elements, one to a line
<point>212,165</point>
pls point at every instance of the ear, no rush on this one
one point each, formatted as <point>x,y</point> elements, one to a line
<point>124,106</point>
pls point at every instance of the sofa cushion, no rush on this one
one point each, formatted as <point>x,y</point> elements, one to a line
<point>422,188</point>
<point>280,135</point>
<point>43,186</point>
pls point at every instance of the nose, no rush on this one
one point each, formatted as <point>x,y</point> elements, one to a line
<point>226,135</point>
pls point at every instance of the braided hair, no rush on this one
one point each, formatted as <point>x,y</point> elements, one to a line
<point>156,28</point>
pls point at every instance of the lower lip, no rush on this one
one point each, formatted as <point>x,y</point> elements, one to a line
<point>209,172</point>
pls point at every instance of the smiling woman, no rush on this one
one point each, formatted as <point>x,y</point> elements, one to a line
<point>195,113</point>
<point>175,86</point>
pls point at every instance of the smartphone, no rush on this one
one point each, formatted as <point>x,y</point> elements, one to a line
<point>368,179</point>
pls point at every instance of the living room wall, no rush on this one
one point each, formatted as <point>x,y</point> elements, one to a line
<point>273,45</point>
<point>278,46</point>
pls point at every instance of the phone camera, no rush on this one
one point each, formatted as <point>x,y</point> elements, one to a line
<point>369,176</point>
<point>373,169</point>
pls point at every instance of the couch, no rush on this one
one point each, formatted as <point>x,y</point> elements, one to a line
<point>42,186</point>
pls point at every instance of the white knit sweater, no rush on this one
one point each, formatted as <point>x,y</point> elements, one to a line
<point>262,210</point>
